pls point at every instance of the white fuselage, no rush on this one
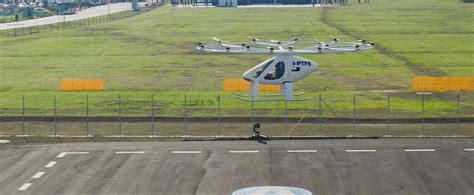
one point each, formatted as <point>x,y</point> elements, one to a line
<point>280,69</point>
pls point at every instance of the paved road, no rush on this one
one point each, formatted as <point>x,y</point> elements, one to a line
<point>86,13</point>
<point>383,166</point>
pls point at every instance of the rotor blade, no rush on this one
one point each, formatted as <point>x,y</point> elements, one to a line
<point>291,47</point>
<point>265,44</point>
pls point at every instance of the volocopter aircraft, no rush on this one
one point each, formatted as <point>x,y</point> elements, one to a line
<point>284,68</point>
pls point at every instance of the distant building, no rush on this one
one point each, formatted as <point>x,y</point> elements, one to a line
<point>7,9</point>
<point>227,3</point>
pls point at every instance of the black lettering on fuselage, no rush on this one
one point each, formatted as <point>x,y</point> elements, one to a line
<point>301,63</point>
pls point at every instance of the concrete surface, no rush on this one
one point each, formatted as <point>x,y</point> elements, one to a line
<point>86,13</point>
<point>380,166</point>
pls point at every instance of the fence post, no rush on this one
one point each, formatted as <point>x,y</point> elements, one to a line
<point>388,110</point>
<point>320,111</point>
<point>286,118</point>
<point>23,130</point>
<point>120,116</point>
<point>152,133</point>
<point>353,114</point>
<point>219,114</point>
<point>87,116</point>
<point>55,117</point>
<point>457,114</point>
<point>422,114</point>
<point>185,117</point>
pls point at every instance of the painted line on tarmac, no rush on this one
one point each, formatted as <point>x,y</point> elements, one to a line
<point>361,150</point>
<point>420,150</point>
<point>301,151</point>
<point>130,152</point>
<point>3,141</point>
<point>469,149</point>
<point>187,152</point>
<point>243,151</point>
<point>50,164</point>
<point>38,175</point>
<point>62,154</point>
<point>24,186</point>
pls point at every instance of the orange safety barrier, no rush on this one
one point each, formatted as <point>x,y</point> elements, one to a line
<point>442,84</point>
<point>82,85</point>
<point>239,84</point>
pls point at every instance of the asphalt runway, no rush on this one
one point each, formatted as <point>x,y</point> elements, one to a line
<point>378,166</point>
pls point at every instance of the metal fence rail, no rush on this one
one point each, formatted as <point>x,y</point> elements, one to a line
<point>71,25</point>
<point>390,115</point>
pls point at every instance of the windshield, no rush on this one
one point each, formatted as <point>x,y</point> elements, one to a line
<point>259,70</point>
<point>276,71</point>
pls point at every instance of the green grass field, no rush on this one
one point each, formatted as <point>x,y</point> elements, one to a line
<point>154,53</point>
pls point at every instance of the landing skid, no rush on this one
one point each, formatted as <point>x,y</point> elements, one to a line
<point>248,97</point>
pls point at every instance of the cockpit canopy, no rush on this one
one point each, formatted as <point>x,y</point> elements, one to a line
<point>272,69</point>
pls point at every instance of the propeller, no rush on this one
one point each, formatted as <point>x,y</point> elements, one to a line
<point>285,47</point>
<point>217,40</point>
<point>200,45</point>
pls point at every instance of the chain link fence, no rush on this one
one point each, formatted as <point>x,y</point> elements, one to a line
<point>71,25</point>
<point>348,115</point>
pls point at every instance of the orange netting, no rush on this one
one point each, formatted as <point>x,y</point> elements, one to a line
<point>239,84</point>
<point>82,85</point>
<point>442,84</point>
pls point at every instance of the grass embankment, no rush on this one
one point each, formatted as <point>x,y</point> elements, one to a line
<point>154,53</point>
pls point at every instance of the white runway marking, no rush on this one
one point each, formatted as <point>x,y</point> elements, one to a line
<point>62,154</point>
<point>38,175</point>
<point>420,150</point>
<point>187,152</point>
<point>469,149</point>
<point>50,164</point>
<point>130,152</point>
<point>4,141</point>
<point>243,151</point>
<point>301,151</point>
<point>361,150</point>
<point>24,186</point>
